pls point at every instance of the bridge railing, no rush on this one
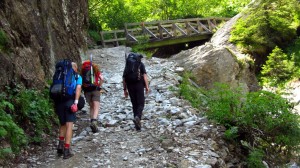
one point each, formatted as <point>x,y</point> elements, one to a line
<point>160,30</point>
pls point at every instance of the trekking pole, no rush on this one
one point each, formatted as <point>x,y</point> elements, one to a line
<point>92,73</point>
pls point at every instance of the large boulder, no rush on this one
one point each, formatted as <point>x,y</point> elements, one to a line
<point>35,34</point>
<point>219,61</point>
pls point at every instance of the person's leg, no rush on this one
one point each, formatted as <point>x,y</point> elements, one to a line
<point>140,100</point>
<point>95,105</point>
<point>133,98</point>
<point>95,109</point>
<point>61,139</point>
<point>70,119</point>
<point>59,109</point>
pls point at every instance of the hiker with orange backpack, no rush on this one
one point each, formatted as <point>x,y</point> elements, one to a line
<point>92,80</point>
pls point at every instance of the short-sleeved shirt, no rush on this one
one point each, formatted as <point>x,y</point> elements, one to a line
<point>142,70</point>
<point>79,80</point>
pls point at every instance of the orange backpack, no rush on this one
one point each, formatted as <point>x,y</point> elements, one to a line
<point>90,76</point>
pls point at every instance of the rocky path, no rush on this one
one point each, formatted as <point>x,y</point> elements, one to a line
<point>173,135</point>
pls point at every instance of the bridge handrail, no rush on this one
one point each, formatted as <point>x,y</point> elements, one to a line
<point>161,29</point>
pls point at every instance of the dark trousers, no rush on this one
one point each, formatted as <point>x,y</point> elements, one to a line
<point>136,94</point>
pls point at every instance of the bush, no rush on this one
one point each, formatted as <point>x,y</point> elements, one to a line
<point>94,35</point>
<point>32,111</point>
<point>278,69</point>
<point>264,119</point>
<point>262,122</point>
<point>266,25</point>
<point>10,132</point>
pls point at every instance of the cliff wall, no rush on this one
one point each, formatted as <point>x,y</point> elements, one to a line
<point>35,34</point>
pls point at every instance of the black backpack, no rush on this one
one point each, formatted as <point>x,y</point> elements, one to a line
<point>132,72</point>
<point>64,81</point>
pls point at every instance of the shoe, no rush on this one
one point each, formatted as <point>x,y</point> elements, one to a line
<point>67,153</point>
<point>60,147</point>
<point>94,127</point>
<point>137,123</point>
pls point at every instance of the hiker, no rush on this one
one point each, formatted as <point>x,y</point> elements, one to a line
<point>92,81</point>
<point>65,108</point>
<point>134,81</point>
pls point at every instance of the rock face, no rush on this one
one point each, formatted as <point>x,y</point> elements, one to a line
<point>219,61</point>
<point>36,34</point>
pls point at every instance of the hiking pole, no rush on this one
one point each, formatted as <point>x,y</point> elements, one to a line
<point>92,73</point>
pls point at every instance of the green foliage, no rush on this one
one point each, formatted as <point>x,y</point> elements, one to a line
<point>278,69</point>
<point>9,131</point>
<point>94,35</point>
<point>35,109</point>
<point>262,119</point>
<point>293,52</point>
<point>190,93</point>
<point>31,111</point>
<point>113,14</point>
<point>3,40</point>
<point>231,133</point>
<point>266,25</point>
<point>255,159</point>
<point>265,120</point>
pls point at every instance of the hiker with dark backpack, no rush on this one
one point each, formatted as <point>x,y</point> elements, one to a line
<point>134,81</point>
<point>65,92</point>
<point>92,80</point>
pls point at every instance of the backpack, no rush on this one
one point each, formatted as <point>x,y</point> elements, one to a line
<point>63,81</point>
<point>86,73</point>
<point>132,72</point>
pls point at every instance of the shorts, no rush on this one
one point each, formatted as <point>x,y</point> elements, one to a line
<point>92,96</point>
<point>64,113</point>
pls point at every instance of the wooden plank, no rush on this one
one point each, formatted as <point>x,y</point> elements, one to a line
<point>114,40</point>
<point>132,37</point>
<point>184,39</point>
<point>204,27</point>
<point>166,31</point>
<point>180,30</point>
<point>176,21</point>
<point>193,28</point>
<point>149,32</point>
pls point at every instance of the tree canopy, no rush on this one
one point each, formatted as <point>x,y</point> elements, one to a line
<point>108,15</point>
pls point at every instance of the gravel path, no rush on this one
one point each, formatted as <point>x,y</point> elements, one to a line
<point>174,134</point>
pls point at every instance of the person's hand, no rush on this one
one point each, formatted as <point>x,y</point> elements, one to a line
<point>74,108</point>
<point>125,93</point>
<point>147,90</point>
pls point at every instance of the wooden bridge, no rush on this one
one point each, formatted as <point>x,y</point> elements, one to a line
<point>162,33</point>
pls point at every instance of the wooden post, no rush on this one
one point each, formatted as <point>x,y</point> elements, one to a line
<point>126,33</point>
<point>188,31</point>
<point>174,30</point>
<point>116,38</point>
<point>200,29</point>
<point>160,31</point>
<point>209,26</point>
<point>102,39</point>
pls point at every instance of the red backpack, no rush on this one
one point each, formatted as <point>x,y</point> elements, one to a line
<point>90,77</point>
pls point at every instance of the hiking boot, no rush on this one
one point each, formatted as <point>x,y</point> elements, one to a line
<point>60,148</point>
<point>94,127</point>
<point>67,153</point>
<point>137,123</point>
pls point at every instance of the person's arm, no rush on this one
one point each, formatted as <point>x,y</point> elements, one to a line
<point>77,93</point>
<point>146,83</point>
<point>101,79</point>
<point>125,88</point>
<point>74,107</point>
